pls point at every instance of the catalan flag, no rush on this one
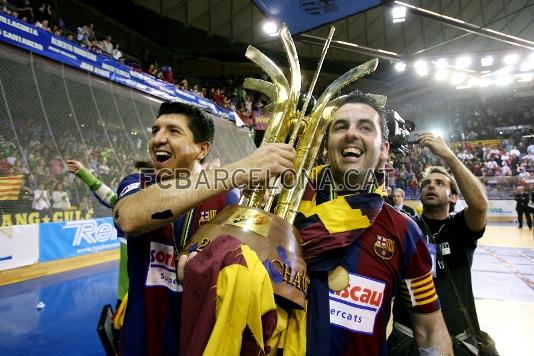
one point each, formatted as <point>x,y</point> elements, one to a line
<point>10,187</point>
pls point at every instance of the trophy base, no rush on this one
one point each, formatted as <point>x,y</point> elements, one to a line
<point>275,241</point>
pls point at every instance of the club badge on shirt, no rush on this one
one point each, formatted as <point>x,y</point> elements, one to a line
<point>206,216</point>
<point>384,247</point>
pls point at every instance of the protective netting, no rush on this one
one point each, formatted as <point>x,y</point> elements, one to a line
<point>49,113</point>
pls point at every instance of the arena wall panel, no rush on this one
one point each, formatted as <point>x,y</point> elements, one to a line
<point>19,246</point>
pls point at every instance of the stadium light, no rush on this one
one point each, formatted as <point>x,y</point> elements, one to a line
<point>270,28</point>
<point>463,62</point>
<point>511,59</point>
<point>400,66</point>
<point>473,82</point>
<point>441,75</point>
<point>484,82</point>
<point>504,79</point>
<point>527,66</point>
<point>486,61</point>
<point>421,68</point>
<point>437,132</point>
<point>526,77</point>
<point>441,63</point>
<point>457,78</point>
<point>399,14</point>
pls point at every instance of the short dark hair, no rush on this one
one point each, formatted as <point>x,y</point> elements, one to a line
<point>454,186</point>
<point>358,97</point>
<point>442,170</point>
<point>143,164</point>
<point>200,123</point>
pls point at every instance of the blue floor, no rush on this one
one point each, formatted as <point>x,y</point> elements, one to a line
<point>67,324</point>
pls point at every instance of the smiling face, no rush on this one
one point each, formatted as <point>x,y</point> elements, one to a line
<point>355,140</point>
<point>172,143</point>
<point>436,191</point>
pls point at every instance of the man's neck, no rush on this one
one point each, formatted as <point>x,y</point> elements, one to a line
<point>343,187</point>
<point>436,213</point>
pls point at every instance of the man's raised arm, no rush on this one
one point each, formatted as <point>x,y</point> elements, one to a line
<point>472,190</point>
<point>160,204</point>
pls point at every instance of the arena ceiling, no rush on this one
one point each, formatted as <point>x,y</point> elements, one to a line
<point>359,36</point>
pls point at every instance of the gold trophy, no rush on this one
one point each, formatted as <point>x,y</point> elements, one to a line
<point>272,235</point>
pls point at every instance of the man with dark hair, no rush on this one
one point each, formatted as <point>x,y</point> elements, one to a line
<point>160,214</point>
<point>359,250</point>
<point>452,240</point>
<point>200,123</point>
<point>398,203</point>
<point>522,207</point>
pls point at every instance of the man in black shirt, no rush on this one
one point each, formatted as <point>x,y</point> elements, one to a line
<point>522,207</point>
<point>452,241</point>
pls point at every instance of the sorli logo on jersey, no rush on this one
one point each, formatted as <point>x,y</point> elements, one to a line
<point>163,257</point>
<point>162,267</point>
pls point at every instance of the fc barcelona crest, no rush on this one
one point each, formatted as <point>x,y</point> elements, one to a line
<point>384,248</point>
<point>206,216</point>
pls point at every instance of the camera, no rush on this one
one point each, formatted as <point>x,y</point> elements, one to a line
<point>399,130</point>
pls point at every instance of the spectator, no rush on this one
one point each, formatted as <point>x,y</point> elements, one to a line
<point>196,91</point>
<point>60,198</point>
<point>107,46</point>
<point>82,36</point>
<point>91,36</point>
<point>167,74</point>
<point>117,54</point>
<point>41,199</point>
<point>43,25</point>
<point>522,208</point>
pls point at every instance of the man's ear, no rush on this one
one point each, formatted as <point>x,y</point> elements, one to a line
<point>384,151</point>
<point>453,198</point>
<point>205,148</point>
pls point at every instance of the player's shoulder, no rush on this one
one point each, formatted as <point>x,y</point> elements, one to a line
<point>402,221</point>
<point>129,185</point>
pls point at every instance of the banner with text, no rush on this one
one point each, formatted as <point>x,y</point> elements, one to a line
<point>304,15</point>
<point>19,246</point>
<point>36,217</point>
<point>23,35</point>
<point>75,238</point>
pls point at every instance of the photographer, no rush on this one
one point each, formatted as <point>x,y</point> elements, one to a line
<point>452,240</point>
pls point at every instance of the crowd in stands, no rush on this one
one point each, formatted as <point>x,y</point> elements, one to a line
<point>48,185</point>
<point>227,93</point>
<point>473,117</point>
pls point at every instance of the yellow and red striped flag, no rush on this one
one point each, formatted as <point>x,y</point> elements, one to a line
<point>10,187</point>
